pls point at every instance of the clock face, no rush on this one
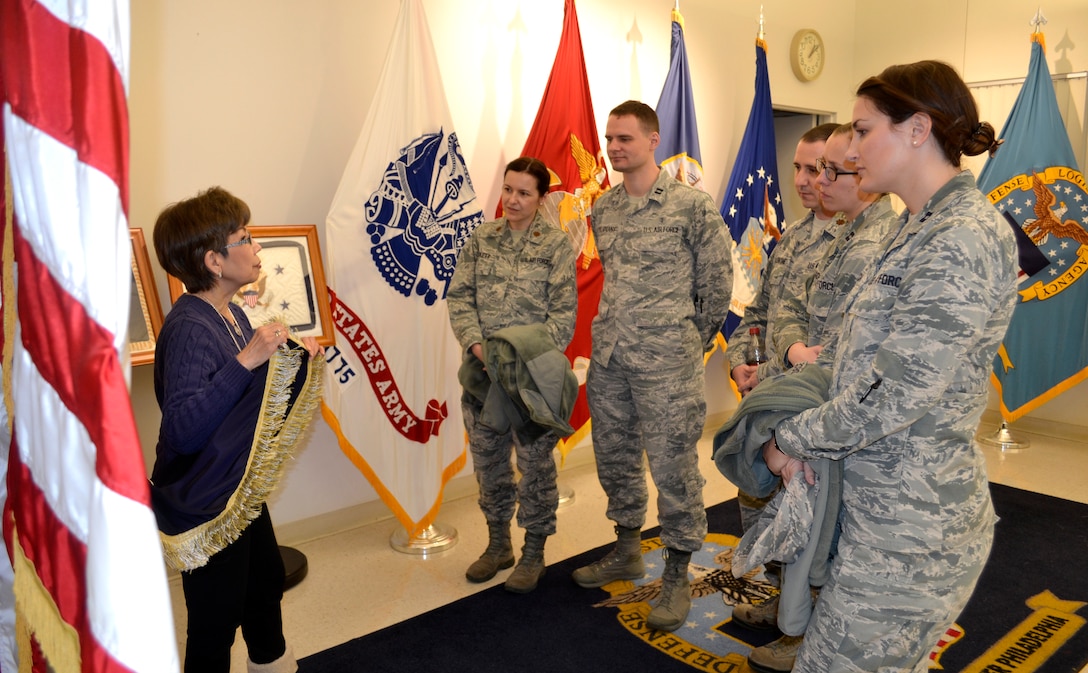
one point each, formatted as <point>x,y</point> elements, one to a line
<point>807,55</point>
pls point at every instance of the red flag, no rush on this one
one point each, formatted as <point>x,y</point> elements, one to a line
<point>89,581</point>
<point>564,137</point>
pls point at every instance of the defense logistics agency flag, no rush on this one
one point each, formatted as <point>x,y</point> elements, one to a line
<point>564,137</point>
<point>404,208</point>
<point>752,205</point>
<point>89,582</point>
<point>678,152</point>
<point>1034,181</point>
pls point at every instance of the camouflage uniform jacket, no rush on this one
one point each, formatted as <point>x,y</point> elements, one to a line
<point>668,271</point>
<point>910,377</point>
<point>503,280</point>
<point>791,265</point>
<point>815,317</point>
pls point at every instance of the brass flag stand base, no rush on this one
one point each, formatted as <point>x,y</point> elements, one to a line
<point>1004,440</point>
<point>434,538</point>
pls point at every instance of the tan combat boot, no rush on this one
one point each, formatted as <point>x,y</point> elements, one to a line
<point>499,554</point>
<point>675,602</point>
<point>624,562</point>
<point>530,566</point>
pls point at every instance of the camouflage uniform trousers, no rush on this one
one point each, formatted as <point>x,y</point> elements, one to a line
<point>883,611</point>
<point>659,410</point>
<point>535,494</point>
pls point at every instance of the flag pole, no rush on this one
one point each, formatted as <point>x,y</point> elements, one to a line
<point>1003,437</point>
<point>566,491</point>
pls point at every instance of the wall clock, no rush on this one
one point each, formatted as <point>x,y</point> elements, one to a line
<point>807,54</point>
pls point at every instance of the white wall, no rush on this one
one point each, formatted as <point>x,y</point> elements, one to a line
<point>266,98</point>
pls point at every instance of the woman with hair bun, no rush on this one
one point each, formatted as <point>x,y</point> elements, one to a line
<point>909,384</point>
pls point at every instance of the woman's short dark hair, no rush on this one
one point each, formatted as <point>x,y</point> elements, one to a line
<point>185,231</point>
<point>935,89</point>
<point>534,167</point>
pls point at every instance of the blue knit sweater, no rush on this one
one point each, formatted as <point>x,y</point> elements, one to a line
<point>208,421</point>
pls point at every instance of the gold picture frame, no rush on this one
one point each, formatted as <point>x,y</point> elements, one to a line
<point>145,311</point>
<point>292,282</point>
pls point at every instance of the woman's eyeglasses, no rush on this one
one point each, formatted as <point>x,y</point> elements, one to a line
<point>247,239</point>
<point>830,171</point>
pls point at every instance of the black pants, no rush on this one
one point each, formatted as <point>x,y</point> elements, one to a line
<point>240,586</point>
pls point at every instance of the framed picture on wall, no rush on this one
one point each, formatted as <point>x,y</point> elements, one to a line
<point>145,312</point>
<point>291,286</point>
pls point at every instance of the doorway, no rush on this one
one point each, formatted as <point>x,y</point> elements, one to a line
<point>789,125</point>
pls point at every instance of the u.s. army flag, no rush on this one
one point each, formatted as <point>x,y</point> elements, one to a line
<point>404,208</point>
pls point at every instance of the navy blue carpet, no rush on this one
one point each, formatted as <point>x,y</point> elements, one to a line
<point>1028,613</point>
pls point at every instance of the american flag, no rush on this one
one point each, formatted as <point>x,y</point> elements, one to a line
<point>88,581</point>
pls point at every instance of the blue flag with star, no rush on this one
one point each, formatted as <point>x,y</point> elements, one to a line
<point>678,152</point>
<point>752,205</point>
<point>1035,182</point>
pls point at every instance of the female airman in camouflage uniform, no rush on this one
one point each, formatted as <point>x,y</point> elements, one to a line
<point>910,376</point>
<point>517,270</point>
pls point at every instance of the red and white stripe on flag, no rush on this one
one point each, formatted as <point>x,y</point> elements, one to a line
<point>404,208</point>
<point>89,579</point>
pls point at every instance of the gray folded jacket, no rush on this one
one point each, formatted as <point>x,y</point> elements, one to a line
<point>798,526</point>
<point>528,385</point>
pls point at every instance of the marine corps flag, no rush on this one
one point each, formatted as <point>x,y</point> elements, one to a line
<point>1034,181</point>
<point>404,208</point>
<point>678,152</point>
<point>752,206</point>
<point>86,583</point>
<point>564,137</point>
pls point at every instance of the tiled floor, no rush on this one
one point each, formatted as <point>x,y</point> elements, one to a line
<point>358,584</point>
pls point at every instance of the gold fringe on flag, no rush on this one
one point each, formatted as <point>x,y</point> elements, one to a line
<point>40,617</point>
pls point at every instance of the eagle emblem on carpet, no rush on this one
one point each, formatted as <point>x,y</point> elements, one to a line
<point>707,641</point>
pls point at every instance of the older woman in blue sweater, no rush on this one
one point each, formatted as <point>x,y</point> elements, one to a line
<point>219,454</point>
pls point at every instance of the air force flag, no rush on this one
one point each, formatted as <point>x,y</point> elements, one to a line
<point>1034,181</point>
<point>404,208</point>
<point>752,205</point>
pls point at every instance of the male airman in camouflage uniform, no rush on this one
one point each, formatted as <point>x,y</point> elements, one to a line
<point>668,280</point>
<point>506,278</point>
<point>789,268</point>
<point>809,324</point>
<point>790,265</point>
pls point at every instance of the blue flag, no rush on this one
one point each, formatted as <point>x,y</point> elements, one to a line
<point>1034,181</point>
<point>752,205</point>
<point>678,152</point>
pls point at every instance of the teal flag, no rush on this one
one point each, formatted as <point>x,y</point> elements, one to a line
<point>1035,182</point>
